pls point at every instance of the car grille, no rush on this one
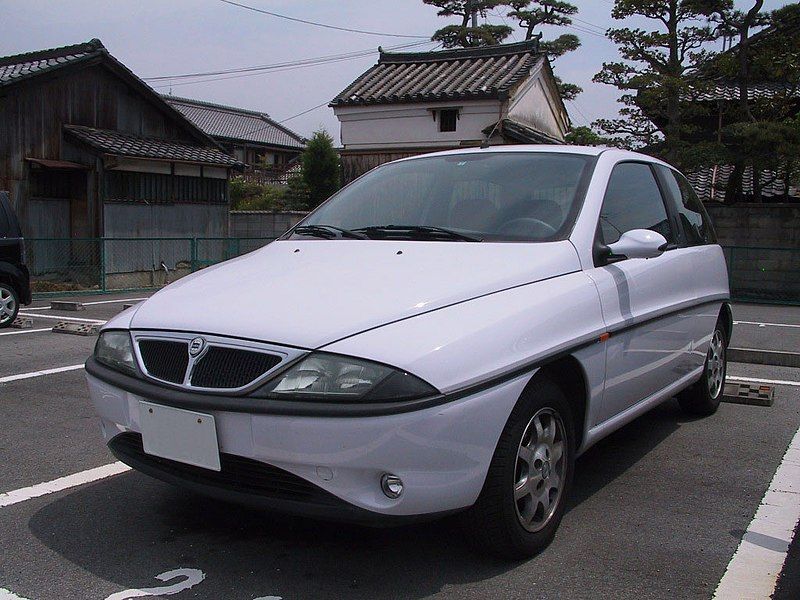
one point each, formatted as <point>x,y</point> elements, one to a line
<point>166,360</point>
<point>220,367</point>
<point>238,474</point>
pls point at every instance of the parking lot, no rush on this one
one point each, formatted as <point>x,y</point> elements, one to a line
<point>658,510</point>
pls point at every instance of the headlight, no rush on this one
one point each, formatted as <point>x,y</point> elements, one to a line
<point>114,349</point>
<point>330,378</point>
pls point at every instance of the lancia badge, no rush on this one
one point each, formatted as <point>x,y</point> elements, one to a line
<point>196,346</point>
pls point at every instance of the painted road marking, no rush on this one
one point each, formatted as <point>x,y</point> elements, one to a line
<point>33,374</point>
<point>7,595</point>
<point>758,561</point>
<point>192,578</point>
<point>767,324</point>
<point>62,483</point>
<point>57,318</point>
<point>767,381</point>
<point>90,303</point>
<point>20,332</point>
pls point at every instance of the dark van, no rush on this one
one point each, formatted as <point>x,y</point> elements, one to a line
<point>15,288</point>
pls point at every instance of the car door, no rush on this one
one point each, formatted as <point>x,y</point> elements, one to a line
<point>642,299</point>
<point>699,242</point>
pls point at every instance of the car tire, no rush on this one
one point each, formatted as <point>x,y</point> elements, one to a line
<point>703,398</point>
<point>503,521</point>
<point>9,305</point>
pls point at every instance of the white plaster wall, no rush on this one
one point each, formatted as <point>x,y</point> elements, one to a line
<point>412,126</point>
<point>533,104</point>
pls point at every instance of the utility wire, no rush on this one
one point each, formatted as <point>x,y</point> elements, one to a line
<point>325,25</point>
<point>262,69</point>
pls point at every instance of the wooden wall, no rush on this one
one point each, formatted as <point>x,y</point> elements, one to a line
<point>32,115</point>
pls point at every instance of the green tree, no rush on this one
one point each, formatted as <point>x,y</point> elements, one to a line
<point>585,136</point>
<point>468,33</point>
<point>320,168</point>
<point>532,14</point>
<point>654,73</point>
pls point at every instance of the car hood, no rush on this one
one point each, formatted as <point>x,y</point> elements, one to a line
<point>311,293</point>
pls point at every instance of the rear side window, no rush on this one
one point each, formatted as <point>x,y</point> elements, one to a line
<point>633,201</point>
<point>693,217</point>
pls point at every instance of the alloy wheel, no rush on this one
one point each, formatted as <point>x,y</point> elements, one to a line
<point>540,469</point>
<point>715,365</point>
<point>8,305</point>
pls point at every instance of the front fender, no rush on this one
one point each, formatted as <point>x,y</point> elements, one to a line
<point>487,338</point>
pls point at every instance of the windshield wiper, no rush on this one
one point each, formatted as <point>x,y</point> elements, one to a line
<point>329,232</point>
<point>429,231</point>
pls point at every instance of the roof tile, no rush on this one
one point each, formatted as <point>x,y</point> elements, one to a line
<point>19,66</point>
<point>126,144</point>
<point>237,124</point>
<point>463,74</point>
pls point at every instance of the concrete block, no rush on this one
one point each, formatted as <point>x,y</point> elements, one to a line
<point>748,393</point>
<point>66,305</point>
<point>777,358</point>
<point>22,323</point>
<point>84,329</point>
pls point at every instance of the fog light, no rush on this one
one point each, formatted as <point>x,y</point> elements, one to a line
<point>391,485</point>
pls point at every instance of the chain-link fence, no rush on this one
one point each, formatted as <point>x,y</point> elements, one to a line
<point>769,275</point>
<point>114,264</point>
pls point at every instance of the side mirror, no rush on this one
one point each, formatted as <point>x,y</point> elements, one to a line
<point>638,243</point>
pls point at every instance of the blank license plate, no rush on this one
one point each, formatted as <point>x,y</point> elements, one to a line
<point>182,435</point>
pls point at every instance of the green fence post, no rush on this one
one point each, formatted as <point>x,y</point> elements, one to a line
<point>103,265</point>
<point>193,246</point>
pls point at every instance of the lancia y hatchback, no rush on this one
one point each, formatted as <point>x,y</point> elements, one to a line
<point>447,334</point>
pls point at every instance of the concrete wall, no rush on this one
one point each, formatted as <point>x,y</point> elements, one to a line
<point>762,244</point>
<point>261,223</point>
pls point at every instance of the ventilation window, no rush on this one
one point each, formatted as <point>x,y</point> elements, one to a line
<point>447,119</point>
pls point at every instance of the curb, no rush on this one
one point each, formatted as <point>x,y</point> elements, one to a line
<point>775,358</point>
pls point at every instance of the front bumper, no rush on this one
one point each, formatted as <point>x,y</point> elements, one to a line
<point>442,453</point>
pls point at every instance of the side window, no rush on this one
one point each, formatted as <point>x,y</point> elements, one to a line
<point>633,201</point>
<point>693,217</point>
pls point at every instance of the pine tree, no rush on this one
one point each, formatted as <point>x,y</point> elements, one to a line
<point>655,71</point>
<point>320,168</point>
<point>468,33</point>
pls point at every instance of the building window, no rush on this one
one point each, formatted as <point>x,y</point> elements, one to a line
<point>447,119</point>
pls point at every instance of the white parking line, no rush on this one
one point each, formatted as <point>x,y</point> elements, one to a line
<point>62,483</point>
<point>7,595</point>
<point>33,374</point>
<point>766,324</point>
<point>21,331</point>
<point>767,381</point>
<point>57,318</point>
<point>757,563</point>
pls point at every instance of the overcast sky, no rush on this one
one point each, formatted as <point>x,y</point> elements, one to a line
<point>169,37</point>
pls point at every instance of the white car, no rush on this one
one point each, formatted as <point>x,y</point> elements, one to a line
<point>446,334</point>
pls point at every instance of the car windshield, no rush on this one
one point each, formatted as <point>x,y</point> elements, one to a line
<point>482,196</point>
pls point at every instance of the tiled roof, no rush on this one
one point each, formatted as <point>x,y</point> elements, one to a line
<point>715,178</point>
<point>521,133</point>
<point>19,66</point>
<point>729,90</point>
<point>236,124</point>
<point>125,144</point>
<point>463,74</point>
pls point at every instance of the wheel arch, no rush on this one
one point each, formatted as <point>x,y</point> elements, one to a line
<point>569,375</point>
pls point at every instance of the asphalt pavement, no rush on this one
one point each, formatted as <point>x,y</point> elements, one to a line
<point>658,509</point>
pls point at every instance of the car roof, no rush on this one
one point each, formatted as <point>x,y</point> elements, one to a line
<point>541,148</point>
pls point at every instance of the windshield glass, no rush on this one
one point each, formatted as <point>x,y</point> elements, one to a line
<point>486,196</point>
